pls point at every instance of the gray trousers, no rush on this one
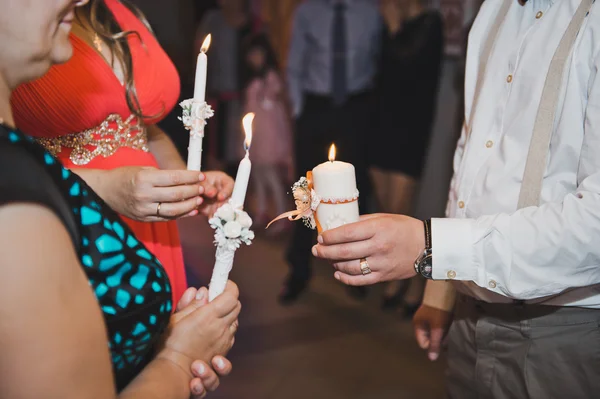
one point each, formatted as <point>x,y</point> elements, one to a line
<point>523,352</point>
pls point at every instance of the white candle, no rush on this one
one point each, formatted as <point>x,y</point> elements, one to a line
<point>197,133</point>
<point>243,174</point>
<point>201,68</point>
<point>335,180</point>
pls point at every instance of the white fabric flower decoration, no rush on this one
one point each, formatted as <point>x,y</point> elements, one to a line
<point>226,213</point>
<point>232,229</point>
<point>243,219</point>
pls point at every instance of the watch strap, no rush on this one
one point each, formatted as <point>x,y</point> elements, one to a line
<point>427,224</point>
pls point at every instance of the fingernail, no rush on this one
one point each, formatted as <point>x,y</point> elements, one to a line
<point>200,369</point>
<point>201,190</point>
<point>200,295</point>
<point>202,177</point>
<point>337,276</point>
<point>220,363</point>
<point>198,389</point>
<point>433,356</point>
<point>320,239</point>
<point>314,251</point>
<point>200,200</point>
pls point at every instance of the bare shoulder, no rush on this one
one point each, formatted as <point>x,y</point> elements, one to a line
<point>53,326</point>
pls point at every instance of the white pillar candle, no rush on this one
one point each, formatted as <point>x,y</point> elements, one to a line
<point>335,181</point>
<point>242,178</point>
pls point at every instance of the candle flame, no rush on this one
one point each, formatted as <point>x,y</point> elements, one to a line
<point>332,152</point>
<point>247,123</point>
<point>206,43</point>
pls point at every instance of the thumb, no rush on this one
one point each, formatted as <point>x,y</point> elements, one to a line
<point>436,342</point>
<point>195,304</point>
<point>187,298</point>
<point>422,334</point>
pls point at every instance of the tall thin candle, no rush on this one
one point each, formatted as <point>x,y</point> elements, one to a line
<point>198,104</point>
<point>243,174</point>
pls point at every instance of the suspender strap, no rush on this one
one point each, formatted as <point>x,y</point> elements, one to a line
<point>537,157</point>
<point>485,57</point>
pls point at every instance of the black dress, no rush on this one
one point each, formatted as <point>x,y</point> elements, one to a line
<point>407,91</point>
<point>132,288</point>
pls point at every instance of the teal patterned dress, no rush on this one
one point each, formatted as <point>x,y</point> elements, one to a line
<point>131,287</point>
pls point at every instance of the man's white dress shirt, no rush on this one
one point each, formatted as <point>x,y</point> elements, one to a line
<point>550,253</point>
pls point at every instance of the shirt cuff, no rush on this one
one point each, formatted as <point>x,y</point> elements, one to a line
<point>453,255</point>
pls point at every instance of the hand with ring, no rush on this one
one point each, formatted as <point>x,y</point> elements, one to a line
<point>377,248</point>
<point>148,194</point>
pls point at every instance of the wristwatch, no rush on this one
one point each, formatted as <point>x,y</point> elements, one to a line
<point>423,264</point>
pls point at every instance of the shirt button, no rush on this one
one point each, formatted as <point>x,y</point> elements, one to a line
<point>579,195</point>
<point>539,15</point>
<point>509,78</point>
<point>492,284</point>
<point>461,204</point>
<point>451,274</point>
<point>489,144</point>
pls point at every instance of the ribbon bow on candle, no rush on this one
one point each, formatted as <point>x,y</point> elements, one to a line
<point>307,201</point>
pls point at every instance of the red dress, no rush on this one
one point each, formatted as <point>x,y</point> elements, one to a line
<point>66,108</point>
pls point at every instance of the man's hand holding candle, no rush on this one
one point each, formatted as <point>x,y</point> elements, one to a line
<point>389,243</point>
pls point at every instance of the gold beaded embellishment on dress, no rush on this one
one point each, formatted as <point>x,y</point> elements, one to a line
<point>107,138</point>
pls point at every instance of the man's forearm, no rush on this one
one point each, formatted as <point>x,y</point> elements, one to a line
<point>440,295</point>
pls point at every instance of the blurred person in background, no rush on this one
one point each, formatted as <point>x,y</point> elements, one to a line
<point>272,159</point>
<point>98,112</point>
<point>229,25</point>
<point>408,82</point>
<point>331,67</point>
<point>106,328</point>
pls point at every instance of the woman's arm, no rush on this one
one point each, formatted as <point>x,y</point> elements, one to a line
<point>51,325</point>
<point>163,149</point>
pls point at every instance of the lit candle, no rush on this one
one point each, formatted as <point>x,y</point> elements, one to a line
<point>198,104</point>
<point>243,174</point>
<point>335,183</point>
<point>201,68</point>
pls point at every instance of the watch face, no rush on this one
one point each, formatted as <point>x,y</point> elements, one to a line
<point>426,266</point>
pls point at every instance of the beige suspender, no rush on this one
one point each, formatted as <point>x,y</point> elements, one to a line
<point>535,166</point>
<point>485,57</point>
<point>539,147</point>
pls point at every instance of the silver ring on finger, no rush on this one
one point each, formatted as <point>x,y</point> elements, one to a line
<point>158,209</point>
<point>364,267</point>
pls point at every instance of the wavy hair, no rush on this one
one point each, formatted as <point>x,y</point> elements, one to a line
<point>104,24</point>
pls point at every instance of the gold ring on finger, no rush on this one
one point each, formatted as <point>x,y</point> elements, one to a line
<point>364,267</point>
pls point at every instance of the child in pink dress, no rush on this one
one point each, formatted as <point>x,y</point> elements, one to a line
<point>272,160</point>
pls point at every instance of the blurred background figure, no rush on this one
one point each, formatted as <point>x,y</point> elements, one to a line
<point>272,143</point>
<point>412,50</point>
<point>331,67</point>
<point>277,16</point>
<point>229,25</point>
